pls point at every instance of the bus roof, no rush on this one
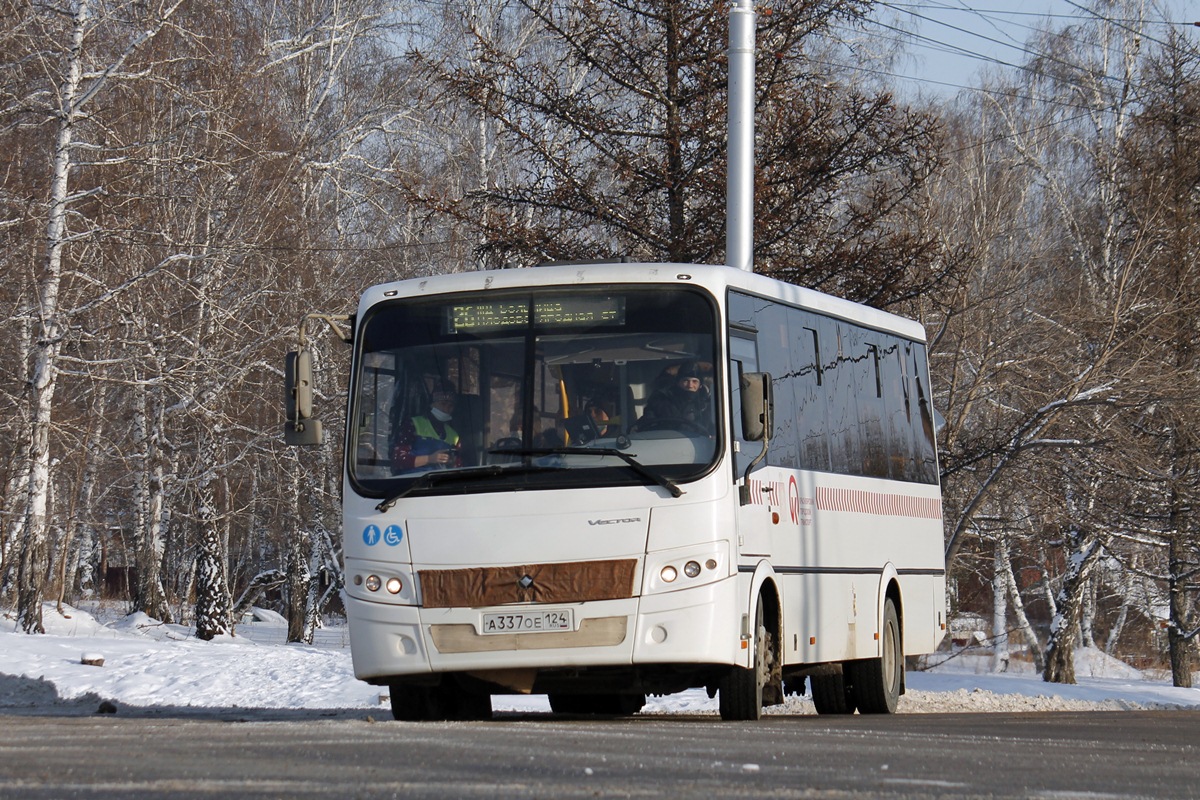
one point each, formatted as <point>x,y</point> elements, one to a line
<point>712,277</point>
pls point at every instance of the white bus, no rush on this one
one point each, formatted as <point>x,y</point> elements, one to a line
<point>652,478</point>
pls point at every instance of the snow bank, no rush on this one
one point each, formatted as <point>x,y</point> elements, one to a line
<point>151,664</point>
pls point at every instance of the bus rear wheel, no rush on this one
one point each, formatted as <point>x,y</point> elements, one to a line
<point>875,682</point>
<point>830,695</point>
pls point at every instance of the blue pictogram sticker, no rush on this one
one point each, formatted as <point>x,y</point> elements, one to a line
<point>393,535</point>
<point>371,535</point>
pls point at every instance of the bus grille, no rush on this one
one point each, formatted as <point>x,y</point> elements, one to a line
<point>571,582</point>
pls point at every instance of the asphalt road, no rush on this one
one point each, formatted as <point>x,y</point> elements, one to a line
<point>219,754</point>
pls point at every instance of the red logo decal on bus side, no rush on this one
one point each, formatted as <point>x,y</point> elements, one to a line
<point>794,500</point>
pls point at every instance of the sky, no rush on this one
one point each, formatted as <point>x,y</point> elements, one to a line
<point>150,665</point>
<point>952,41</point>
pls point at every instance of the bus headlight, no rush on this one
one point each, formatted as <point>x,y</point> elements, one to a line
<point>377,582</point>
<point>673,570</point>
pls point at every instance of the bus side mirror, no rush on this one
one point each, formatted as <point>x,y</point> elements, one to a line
<point>757,405</point>
<point>300,428</point>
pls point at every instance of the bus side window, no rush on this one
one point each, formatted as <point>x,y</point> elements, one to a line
<point>809,389</point>
<point>743,357</point>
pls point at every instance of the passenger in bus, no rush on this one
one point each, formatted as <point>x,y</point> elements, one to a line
<point>686,399</point>
<point>592,425</point>
<point>428,441</point>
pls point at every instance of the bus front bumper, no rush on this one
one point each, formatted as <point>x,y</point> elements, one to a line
<point>694,626</point>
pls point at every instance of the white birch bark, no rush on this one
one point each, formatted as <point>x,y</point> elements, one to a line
<point>74,96</point>
<point>1000,654</point>
<point>1023,625</point>
<point>149,596</point>
<point>46,347</point>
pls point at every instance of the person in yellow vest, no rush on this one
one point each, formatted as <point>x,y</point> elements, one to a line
<point>428,441</point>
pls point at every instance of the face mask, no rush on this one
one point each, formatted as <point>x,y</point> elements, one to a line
<point>439,415</point>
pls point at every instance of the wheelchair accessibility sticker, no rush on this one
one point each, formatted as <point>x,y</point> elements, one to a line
<point>391,536</point>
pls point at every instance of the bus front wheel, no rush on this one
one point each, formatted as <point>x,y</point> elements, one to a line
<point>433,703</point>
<point>740,692</point>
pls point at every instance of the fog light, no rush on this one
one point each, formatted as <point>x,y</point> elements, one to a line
<point>691,569</point>
<point>394,586</point>
<point>669,574</point>
<point>373,583</point>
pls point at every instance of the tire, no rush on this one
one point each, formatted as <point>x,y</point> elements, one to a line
<point>473,706</point>
<point>412,703</point>
<point>830,695</point>
<point>433,703</point>
<point>740,692</point>
<point>609,704</point>
<point>875,682</point>
<point>569,703</point>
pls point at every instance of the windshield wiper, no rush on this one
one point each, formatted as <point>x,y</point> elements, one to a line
<point>429,479</point>
<point>630,459</point>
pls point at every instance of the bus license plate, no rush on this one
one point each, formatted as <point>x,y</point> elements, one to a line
<point>529,621</point>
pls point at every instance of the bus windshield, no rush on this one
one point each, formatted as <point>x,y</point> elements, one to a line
<point>534,389</point>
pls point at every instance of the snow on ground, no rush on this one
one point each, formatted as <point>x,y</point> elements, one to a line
<point>152,665</point>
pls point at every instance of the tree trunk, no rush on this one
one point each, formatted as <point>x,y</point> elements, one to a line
<point>15,490</point>
<point>1000,605</point>
<point>1018,606</point>
<point>299,580</point>
<point>1179,646</point>
<point>1060,650</point>
<point>214,605</point>
<point>149,596</point>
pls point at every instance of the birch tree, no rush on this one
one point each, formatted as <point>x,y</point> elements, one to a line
<point>81,80</point>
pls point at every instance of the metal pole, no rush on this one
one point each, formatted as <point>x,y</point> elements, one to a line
<point>739,196</point>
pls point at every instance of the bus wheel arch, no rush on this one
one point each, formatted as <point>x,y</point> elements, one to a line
<point>890,590</point>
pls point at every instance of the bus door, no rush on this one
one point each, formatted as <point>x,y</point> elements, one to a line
<point>753,517</point>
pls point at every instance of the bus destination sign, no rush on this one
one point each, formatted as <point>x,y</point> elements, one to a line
<point>498,315</point>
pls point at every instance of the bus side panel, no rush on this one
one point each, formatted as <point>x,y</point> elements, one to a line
<point>819,617</point>
<point>924,612</point>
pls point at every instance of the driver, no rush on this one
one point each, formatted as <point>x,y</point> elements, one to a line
<point>686,399</point>
<point>427,441</point>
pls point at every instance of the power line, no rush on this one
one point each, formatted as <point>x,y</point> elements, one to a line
<point>1035,14</point>
<point>990,17</point>
<point>1008,93</point>
<point>1119,24</point>
<point>1022,48</point>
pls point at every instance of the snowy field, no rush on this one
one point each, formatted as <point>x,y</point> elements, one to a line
<point>151,665</point>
